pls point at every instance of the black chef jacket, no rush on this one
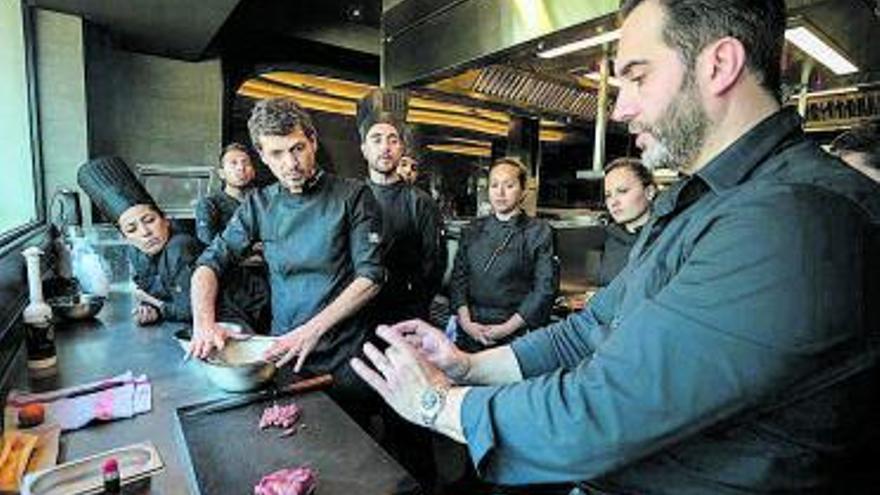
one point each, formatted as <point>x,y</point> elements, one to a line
<point>166,275</point>
<point>413,251</point>
<point>243,299</point>
<point>615,252</point>
<point>213,213</point>
<point>315,244</point>
<point>502,268</point>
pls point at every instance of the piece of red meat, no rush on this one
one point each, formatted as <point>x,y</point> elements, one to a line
<point>293,481</point>
<point>280,416</point>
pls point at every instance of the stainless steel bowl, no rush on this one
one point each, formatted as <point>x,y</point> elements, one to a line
<point>78,307</point>
<point>239,366</point>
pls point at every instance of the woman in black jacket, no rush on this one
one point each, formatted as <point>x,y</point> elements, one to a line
<point>505,275</point>
<point>162,258</point>
<point>629,192</point>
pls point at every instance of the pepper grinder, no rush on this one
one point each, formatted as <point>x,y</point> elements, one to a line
<point>37,317</point>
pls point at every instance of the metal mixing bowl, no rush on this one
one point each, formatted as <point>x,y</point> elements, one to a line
<point>239,366</point>
<point>77,307</point>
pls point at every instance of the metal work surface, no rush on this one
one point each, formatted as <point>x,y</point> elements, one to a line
<point>112,343</point>
<point>347,461</point>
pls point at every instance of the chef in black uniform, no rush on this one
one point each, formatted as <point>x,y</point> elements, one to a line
<point>321,238</point>
<point>414,253</point>
<point>236,170</point>
<point>415,258</point>
<point>505,275</point>
<point>213,212</point>
<point>629,193</point>
<point>162,257</point>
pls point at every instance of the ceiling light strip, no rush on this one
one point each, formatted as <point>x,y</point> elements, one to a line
<point>332,87</point>
<point>576,46</point>
<point>813,45</point>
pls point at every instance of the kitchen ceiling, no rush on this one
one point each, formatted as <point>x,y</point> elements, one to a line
<point>498,69</point>
<point>186,31</point>
<point>515,75</point>
<point>160,27</point>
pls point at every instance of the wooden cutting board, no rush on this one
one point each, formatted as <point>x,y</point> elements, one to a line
<point>45,453</point>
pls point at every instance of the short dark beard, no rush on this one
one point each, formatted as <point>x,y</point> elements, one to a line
<point>680,132</point>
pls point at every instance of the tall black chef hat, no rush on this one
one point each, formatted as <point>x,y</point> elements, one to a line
<point>112,186</point>
<point>382,106</point>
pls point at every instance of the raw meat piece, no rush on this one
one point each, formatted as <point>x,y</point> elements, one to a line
<point>294,481</point>
<point>280,416</point>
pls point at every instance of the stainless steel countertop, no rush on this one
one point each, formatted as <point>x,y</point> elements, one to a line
<point>113,344</point>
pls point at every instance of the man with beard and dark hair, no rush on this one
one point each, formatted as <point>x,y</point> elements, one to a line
<point>414,253</point>
<point>736,351</point>
<point>414,256</point>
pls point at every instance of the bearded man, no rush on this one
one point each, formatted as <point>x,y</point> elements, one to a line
<point>736,351</point>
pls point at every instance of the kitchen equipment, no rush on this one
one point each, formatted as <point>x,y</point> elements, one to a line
<point>347,459</point>
<point>37,317</point>
<point>77,307</point>
<point>298,387</point>
<point>64,210</point>
<point>137,462</point>
<point>239,366</point>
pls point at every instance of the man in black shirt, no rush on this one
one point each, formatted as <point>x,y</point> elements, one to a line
<point>415,258</point>
<point>321,238</point>
<point>214,211</point>
<point>414,253</point>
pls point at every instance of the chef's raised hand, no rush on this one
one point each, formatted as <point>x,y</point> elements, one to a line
<point>400,376</point>
<point>298,343</point>
<point>433,345</point>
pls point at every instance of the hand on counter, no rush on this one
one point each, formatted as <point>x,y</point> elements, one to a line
<point>146,314</point>
<point>401,375</point>
<point>298,343</point>
<point>143,297</point>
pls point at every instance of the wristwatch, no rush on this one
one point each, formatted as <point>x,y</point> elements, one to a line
<point>430,404</point>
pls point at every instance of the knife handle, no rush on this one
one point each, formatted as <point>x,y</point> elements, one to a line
<point>308,384</point>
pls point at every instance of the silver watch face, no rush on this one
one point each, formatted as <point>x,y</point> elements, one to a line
<point>430,399</point>
<point>431,403</point>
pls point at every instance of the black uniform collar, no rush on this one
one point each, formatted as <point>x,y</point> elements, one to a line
<point>519,220</point>
<point>733,165</point>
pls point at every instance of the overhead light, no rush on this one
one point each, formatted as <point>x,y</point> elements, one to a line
<point>829,92</point>
<point>595,76</point>
<point>599,39</point>
<point>472,142</point>
<point>811,43</point>
<point>459,149</point>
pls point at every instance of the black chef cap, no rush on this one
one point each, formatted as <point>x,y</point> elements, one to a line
<point>112,186</point>
<point>382,107</point>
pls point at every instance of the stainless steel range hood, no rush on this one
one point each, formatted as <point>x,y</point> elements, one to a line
<point>428,39</point>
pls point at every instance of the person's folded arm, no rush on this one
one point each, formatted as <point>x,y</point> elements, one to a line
<point>686,358</point>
